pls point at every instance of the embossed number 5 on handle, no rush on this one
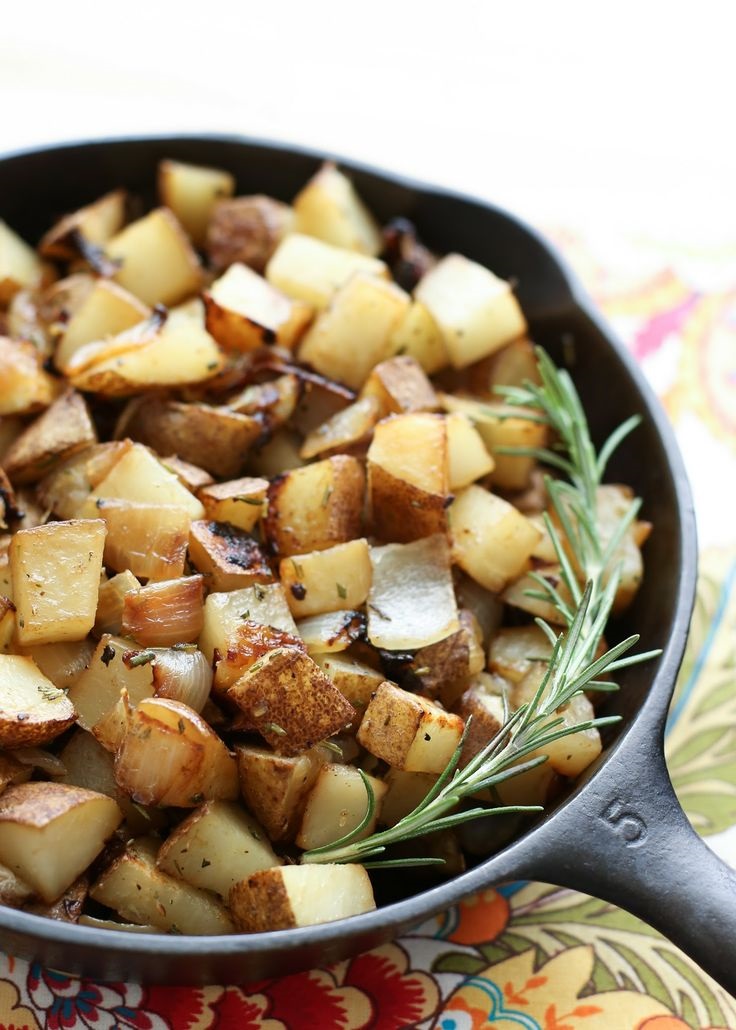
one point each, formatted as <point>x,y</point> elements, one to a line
<point>626,824</point>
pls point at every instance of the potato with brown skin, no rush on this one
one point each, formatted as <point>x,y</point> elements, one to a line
<point>228,558</point>
<point>355,680</point>
<point>316,507</point>
<point>246,229</point>
<point>50,832</point>
<point>190,476</point>
<point>215,439</point>
<point>483,704</point>
<point>349,430</point>
<point>401,386</point>
<point>68,486</point>
<point>300,895</point>
<point>250,642</point>
<point>290,701</point>
<point>444,669</point>
<point>275,787</point>
<point>225,613</point>
<point>61,430</point>
<point>32,709</point>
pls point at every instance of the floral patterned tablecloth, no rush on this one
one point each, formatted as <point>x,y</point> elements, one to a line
<point>531,956</point>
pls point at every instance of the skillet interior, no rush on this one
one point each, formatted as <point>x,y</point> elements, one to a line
<point>38,186</point>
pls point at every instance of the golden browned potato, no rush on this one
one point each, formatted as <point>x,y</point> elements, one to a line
<point>315,507</point>
<point>409,732</point>
<point>467,456</point>
<point>347,430</point>
<point>192,192</point>
<point>228,558</point>
<point>90,226</point>
<point>244,312</point>
<point>355,680</point>
<point>217,845</point>
<point>312,270</point>
<point>400,385</point>
<point>170,756</point>
<point>241,502</point>
<point>59,432</point>
<point>331,632</point>
<point>408,477</point>
<point>106,310</point>
<point>138,475</point>
<point>26,386</point>
<point>300,895</point>
<point>136,888</point>
<point>225,613</point>
<point>275,787</point>
<point>32,710</point>
<point>327,581</point>
<point>247,229</point>
<point>146,540</point>
<point>43,563</point>
<point>329,208</point>
<point>290,701</point>
<point>156,260</point>
<point>50,832</point>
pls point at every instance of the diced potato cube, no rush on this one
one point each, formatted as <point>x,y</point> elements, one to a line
<point>19,264</point>
<point>400,386</point>
<point>44,562</point>
<point>66,489</point>
<point>329,208</point>
<point>246,644</point>
<point>244,312</point>
<point>336,805</point>
<point>514,649</point>
<point>404,792</point>
<point>445,668</point>
<point>106,311</point>
<point>412,600</point>
<point>354,333</point>
<point>418,336</point>
<point>408,477</point>
<point>32,709</point>
<point>300,895</point>
<point>612,503</point>
<point>217,845</point>
<point>166,613</point>
<point>476,312</point>
<point>521,594</point>
<point>224,613</point>
<point>275,787</point>
<point>146,540</point>
<point>157,262</point>
<point>228,558</point>
<point>192,191</point>
<point>312,271</point>
<point>290,701</point>
<point>483,704</point>
<point>315,507</point>
<point>241,502</point>
<point>61,430</point>
<point>327,581</point>
<point>139,476</point>
<point>356,681</point>
<point>27,387</point>
<point>278,455</point>
<point>468,458</point>
<point>97,690</point>
<point>409,732</point>
<point>133,886</point>
<point>570,755</point>
<point>51,832</point>
<point>491,539</point>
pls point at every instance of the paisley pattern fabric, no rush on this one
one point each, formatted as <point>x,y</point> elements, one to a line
<point>534,957</point>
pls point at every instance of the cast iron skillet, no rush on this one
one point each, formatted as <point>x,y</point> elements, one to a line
<point>620,834</point>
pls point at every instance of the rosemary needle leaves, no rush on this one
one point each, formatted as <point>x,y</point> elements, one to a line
<point>590,577</point>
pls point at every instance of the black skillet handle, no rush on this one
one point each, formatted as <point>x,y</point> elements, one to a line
<point>626,840</point>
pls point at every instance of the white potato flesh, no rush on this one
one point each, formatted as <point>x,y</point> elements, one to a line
<point>244,311</point>
<point>225,612</point>
<point>327,581</point>
<point>107,310</point>
<point>419,336</point>
<point>312,270</point>
<point>158,264</point>
<point>491,539</point>
<point>133,886</point>
<point>300,895</point>
<point>97,690</point>
<point>477,313</point>
<point>50,832</point>
<point>336,805</point>
<point>411,602</point>
<point>147,540</point>
<point>404,791</point>
<point>139,476</point>
<point>217,845</point>
<point>32,709</point>
<point>355,680</point>
<point>19,264</point>
<point>191,191</point>
<point>329,208</point>
<point>570,755</point>
<point>468,457</point>
<point>56,578</point>
<point>354,333</point>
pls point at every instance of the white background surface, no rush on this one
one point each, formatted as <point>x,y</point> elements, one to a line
<point>566,111</point>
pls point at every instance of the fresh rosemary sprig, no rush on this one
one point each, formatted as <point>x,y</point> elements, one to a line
<point>572,667</point>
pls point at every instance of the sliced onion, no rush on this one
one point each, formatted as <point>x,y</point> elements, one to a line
<point>412,601</point>
<point>162,614</point>
<point>40,759</point>
<point>182,674</point>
